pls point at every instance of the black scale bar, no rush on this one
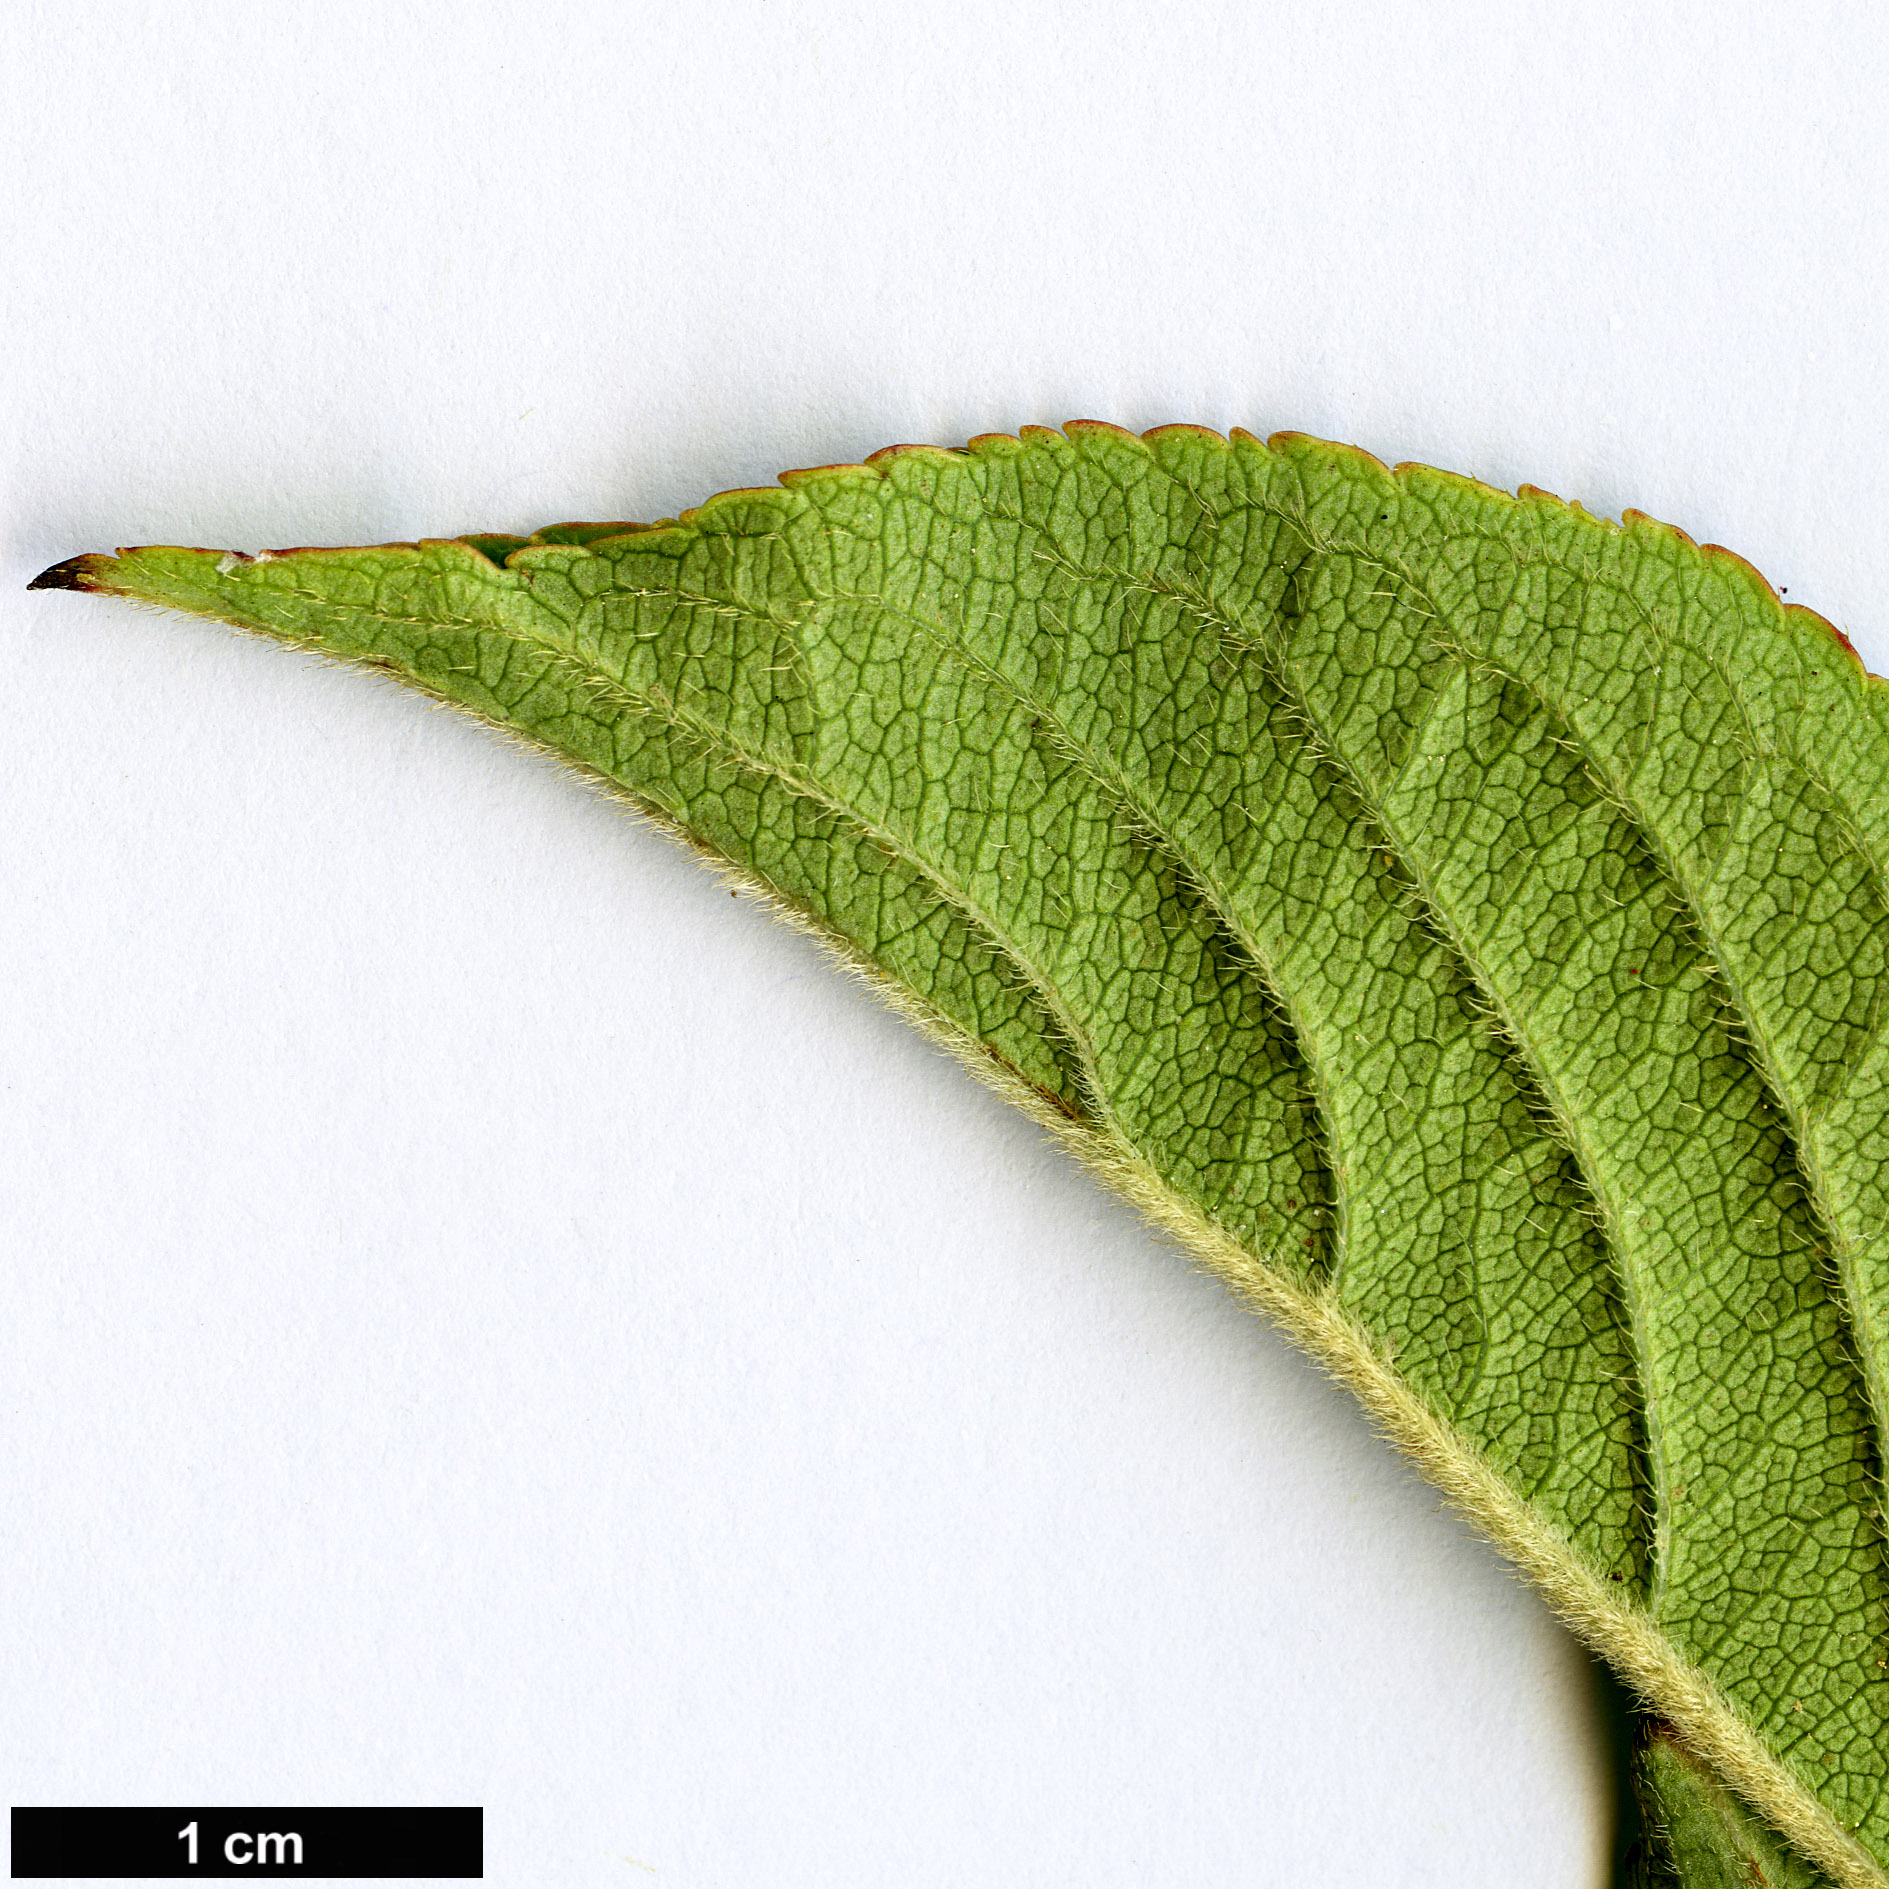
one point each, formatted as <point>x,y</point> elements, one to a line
<point>266,1843</point>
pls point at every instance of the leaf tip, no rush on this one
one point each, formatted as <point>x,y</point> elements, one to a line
<point>80,573</point>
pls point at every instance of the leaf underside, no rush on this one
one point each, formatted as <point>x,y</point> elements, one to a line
<point>1458,919</point>
<point>1696,1835</point>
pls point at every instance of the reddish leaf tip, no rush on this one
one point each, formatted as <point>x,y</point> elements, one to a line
<point>79,573</point>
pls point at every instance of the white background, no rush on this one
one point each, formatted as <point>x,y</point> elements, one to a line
<point>487,1318</point>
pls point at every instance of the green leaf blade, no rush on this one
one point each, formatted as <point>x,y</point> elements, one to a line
<point>1455,918</point>
<point>1705,1838</point>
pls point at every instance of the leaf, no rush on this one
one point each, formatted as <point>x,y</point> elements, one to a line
<point>1704,1838</point>
<point>1457,920</point>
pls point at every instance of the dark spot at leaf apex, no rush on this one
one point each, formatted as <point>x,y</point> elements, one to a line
<point>76,573</point>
